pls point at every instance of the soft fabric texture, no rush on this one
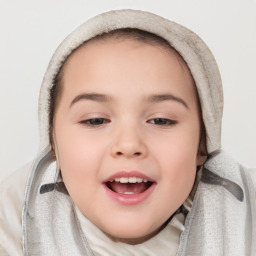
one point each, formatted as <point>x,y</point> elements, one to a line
<point>221,221</point>
<point>222,218</point>
<point>11,199</point>
<point>165,243</point>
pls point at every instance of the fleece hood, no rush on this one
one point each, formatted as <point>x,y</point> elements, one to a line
<point>191,47</point>
<point>222,219</point>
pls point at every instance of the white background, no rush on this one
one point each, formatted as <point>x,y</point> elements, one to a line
<point>31,31</point>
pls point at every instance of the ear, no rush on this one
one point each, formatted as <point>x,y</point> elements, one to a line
<point>200,159</point>
<point>202,152</point>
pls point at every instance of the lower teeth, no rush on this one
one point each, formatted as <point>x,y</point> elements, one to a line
<point>128,193</point>
<point>132,188</point>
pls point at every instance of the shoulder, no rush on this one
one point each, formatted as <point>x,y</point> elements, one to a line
<point>11,201</point>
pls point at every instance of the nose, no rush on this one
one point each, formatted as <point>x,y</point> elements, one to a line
<point>129,143</point>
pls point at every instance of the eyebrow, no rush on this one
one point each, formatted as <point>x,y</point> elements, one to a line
<point>92,96</point>
<point>165,97</point>
<point>155,98</point>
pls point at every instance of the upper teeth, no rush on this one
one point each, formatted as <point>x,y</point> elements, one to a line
<point>129,180</point>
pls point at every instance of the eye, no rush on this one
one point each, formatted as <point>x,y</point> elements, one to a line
<point>94,121</point>
<point>162,121</point>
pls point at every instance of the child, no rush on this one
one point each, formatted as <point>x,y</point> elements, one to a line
<point>130,161</point>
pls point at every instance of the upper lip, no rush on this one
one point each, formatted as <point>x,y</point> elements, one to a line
<point>128,174</point>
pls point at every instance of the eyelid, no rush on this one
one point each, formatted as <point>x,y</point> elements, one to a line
<point>163,115</point>
<point>93,115</point>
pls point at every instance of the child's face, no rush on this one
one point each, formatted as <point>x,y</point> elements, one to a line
<point>127,109</point>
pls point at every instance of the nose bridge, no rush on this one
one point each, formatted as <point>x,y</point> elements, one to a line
<point>128,140</point>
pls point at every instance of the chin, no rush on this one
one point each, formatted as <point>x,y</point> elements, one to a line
<point>131,233</point>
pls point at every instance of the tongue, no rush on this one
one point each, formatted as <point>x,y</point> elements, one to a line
<point>128,187</point>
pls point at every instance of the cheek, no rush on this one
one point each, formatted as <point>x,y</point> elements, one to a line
<point>80,157</point>
<point>178,148</point>
<point>177,161</point>
<point>80,154</point>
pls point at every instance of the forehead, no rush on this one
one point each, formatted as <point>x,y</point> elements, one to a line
<point>125,61</point>
<point>102,43</point>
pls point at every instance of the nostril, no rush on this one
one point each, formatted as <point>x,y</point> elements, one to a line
<point>134,154</point>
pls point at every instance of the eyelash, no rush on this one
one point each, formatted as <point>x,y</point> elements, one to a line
<point>96,122</point>
<point>89,122</point>
<point>163,121</point>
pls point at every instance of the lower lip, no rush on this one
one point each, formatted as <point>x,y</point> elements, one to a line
<point>130,199</point>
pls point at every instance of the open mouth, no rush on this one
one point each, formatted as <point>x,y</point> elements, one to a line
<point>129,185</point>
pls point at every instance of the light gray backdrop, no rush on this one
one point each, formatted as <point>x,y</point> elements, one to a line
<point>31,30</point>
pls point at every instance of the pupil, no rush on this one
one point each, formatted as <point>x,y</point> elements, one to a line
<point>96,121</point>
<point>160,121</point>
